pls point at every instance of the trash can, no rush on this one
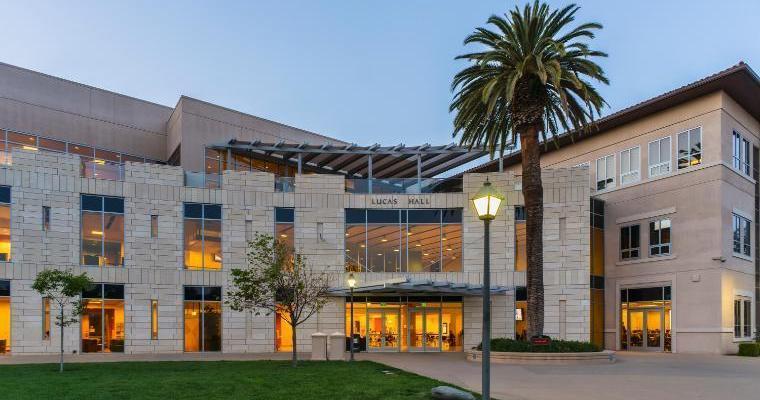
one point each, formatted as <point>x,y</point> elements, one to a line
<point>318,346</point>
<point>337,346</point>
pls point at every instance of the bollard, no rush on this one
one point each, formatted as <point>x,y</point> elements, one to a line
<point>318,346</point>
<point>337,346</point>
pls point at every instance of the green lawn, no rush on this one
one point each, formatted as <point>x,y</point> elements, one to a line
<point>209,380</point>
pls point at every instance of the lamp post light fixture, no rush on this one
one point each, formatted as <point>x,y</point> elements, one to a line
<point>351,285</point>
<point>487,202</point>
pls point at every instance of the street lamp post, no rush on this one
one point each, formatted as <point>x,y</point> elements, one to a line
<point>351,285</point>
<point>486,203</point>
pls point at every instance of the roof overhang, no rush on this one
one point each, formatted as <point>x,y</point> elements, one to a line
<point>354,161</point>
<point>407,286</point>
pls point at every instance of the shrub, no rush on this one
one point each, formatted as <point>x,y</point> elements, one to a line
<point>556,346</point>
<point>749,349</point>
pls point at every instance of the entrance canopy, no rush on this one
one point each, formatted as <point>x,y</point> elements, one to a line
<point>354,161</point>
<point>405,285</point>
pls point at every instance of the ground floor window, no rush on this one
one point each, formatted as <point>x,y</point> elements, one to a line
<point>203,318</point>
<point>645,318</point>
<point>742,317</point>
<point>5,317</point>
<point>103,319</point>
<point>283,331</point>
<point>406,323</point>
<point>521,313</point>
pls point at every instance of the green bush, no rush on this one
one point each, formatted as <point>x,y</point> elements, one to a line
<point>556,346</point>
<point>749,349</point>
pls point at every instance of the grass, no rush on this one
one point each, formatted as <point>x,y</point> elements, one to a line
<point>210,380</point>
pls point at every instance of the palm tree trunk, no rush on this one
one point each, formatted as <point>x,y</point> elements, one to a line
<point>533,194</point>
<point>295,346</point>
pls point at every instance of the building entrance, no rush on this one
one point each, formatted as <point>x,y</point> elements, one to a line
<point>645,319</point>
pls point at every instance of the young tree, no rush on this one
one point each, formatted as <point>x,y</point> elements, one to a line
<point>278,280</point>
<point>63,288</point>
<point>530,77</point>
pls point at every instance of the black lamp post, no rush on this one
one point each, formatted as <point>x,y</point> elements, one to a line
<point>486,203</point>
<point>351,284</point>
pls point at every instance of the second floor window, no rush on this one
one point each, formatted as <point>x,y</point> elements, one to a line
<point>102,230</point>
<point>690,148</point>
<point>741,228</point>
<point>605,172</point>
<point>5,223</point>
<point>203,236</point>
<point>659,157</point>
<point>741,148</point>
<point>629,242</point>
<point>284,219</point>
<point>659,237</point>
<point>629,165</point>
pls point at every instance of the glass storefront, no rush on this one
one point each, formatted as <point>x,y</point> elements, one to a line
<point>404,323</point>
<point>103,319</point>
<point>403,240</point>
<point>645,318</point>
<point>5,317</point>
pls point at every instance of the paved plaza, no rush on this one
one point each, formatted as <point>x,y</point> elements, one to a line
<point>647,376</point>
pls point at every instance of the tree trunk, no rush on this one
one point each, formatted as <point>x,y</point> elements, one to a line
<point>60,367</point>
<point>533,193</point>
<point>295,346</point>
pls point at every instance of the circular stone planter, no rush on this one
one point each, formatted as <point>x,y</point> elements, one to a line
<point>497,357</point>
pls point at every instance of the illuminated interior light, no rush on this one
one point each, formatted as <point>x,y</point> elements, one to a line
<point>97,232</point>
<point>418,245</point>
<point>32,148</point>
<point>101,162</point>
<point>283,235</point>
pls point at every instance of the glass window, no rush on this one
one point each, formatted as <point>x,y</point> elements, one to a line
<point>154,319</point>
<point>45,318</point>
<point>45,218</point>
<point>86,152</point>
<point>659,237</point>
<point>5,316</point>
<point>690,148</point>
<point>203,318</point>
<point>659,157</point>
<point>451,240</point>
<point>605,172</point>
<point>284,229</point>
<point>629,165</point>
<point>741,156</point>
<point>154,226</point>
<point>423,237</point>
<point>102,230</point>
<point>52,145</point>
<point>283,331</point>
<point>741,228</point>
<point>629,242</point>
<point>5,223</point>
<point>203,236</point>
<point>521,246</point>
<point>20,140</point>
<point>742,317</point>
<point>103,319</point>
<point>356,253</point>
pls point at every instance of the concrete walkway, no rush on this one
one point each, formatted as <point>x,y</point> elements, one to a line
<point>634,376</point>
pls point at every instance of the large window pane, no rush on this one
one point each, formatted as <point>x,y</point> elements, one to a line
<point>521,247</point>
<point>92,238</point>
<point>113,326</point>
<point>384,247</point>
<point>283,332</point>
<point>193,243</point>
<point>424,247</point>
<point>212,326</point>
<point>192,313</point>
<point>5,232</point>
<point>452,330</point>
<point>451,241</point>
<point>212,234</point>
<point>113,245</point>
<point>5,325</point>
<point>355,248</point>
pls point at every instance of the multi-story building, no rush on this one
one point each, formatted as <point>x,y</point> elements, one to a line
<point>156,204</point>
<point>678,178</point>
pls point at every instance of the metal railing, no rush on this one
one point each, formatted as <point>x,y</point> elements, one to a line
<point>100,169</point>
<point>404,185</point>
<point>284,184</point>
<point>203,180</point>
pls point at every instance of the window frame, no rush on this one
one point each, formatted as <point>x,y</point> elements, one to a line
<point>631,172</point>
<point>690,154</point>
<point>8,203</point>
<point>630,249</point>
<point>203,219</point>
<point>745,235</point>
<point>742,318</point>
<point>102,213</point>
<point>609,179</point>
<point>743,161</point>
<point>660,163</point>
<point>660,243</point>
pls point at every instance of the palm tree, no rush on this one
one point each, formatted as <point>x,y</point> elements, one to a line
<point>531,77</point>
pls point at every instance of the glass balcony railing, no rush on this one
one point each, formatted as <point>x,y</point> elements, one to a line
<point>100,169</point>
<point>404,185</point>
<point>203,180</point>
<point>284,184</point>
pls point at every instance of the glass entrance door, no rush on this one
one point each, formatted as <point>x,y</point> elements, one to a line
<point>645,329</point>
<point>383,332</point>
<point>424,329</point>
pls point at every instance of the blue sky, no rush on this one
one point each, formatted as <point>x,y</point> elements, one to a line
<point>361,71</point>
